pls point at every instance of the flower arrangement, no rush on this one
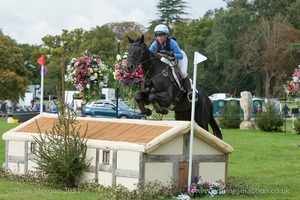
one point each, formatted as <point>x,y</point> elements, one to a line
<point>292,87</point>
<point>131,80</point>
<point>200,188</point>
<point>124,76</point>
<point>88,74</point>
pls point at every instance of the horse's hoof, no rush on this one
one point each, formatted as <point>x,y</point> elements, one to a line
<point>164,111</point>
<point>148,112</point>
<point>147,90</point>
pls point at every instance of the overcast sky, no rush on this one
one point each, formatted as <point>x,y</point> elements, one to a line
<point>27,21</point>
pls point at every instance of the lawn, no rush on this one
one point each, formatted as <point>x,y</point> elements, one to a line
<point>268,162</point>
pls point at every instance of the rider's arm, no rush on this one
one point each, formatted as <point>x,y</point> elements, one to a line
<point>175,48</point>
<point>153,46</point>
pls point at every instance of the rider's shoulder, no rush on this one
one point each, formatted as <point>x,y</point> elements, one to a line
<point>172,39</point>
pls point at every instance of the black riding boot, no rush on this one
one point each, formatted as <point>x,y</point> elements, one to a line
<point>187,85</point>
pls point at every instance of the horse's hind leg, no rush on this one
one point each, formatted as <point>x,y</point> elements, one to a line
<point>140,99</point>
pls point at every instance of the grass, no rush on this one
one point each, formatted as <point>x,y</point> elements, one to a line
<point>268,162</point>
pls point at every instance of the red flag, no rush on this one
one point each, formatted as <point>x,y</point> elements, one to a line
<point>41,60</point>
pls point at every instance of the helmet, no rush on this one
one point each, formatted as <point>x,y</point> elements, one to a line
<point>161,29</point>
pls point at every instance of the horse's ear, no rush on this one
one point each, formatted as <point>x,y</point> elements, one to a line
<point>142,39</point>
<point>130,40</point>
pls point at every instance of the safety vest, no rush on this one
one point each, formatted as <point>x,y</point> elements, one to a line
<point>167,44</point>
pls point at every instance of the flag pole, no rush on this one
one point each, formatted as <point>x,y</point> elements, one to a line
<point>197,59</point>
<point>41,61</point>
<point>42,89</point>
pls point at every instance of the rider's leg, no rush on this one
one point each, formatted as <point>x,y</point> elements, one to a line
<point>183,64</point>
<point>187,84</point>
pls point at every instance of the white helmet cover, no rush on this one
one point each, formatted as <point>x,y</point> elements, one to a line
<point>161,29</point>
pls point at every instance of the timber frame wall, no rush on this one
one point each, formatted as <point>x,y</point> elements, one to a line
<point>144,158</point>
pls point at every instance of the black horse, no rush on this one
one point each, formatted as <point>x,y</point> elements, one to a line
<point>161,89</point>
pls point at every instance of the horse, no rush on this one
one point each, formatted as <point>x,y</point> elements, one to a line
<point>160,89</point>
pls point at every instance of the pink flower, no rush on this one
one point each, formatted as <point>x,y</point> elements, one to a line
<point>124,62</point>
<point>193,190</point>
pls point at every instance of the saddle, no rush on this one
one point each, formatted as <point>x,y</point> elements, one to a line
<point>175,70</point>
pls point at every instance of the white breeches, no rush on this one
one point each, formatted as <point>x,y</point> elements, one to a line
<point>182,64</point>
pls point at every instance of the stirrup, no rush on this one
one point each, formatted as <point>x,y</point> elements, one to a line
<point>190,96</point>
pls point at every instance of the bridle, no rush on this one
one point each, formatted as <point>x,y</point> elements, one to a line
<point>142,52</point>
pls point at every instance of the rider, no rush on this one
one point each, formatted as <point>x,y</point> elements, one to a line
<point>163,42</point>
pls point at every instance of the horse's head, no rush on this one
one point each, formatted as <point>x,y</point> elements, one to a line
<point>136,52</point>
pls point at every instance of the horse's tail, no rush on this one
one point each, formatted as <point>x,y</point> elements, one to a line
<point>215,127</point>
<point>213,123</point>
<point>204,114</point>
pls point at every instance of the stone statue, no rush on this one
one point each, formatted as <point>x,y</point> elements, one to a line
<point>246,103</point>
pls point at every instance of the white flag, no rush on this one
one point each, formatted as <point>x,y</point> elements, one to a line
<point>198,58</point>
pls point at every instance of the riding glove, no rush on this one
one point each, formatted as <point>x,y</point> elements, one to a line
<point>170,54</point>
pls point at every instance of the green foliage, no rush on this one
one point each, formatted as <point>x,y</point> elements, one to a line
<point>268,8</point>
<point>268,120</point>
<point>31,177</point>
<point>169,11</point>
<point>227,27</point>
<point>149,190</point>
<point>31,53</point>
<point>62,152</point>
<point>229,116</point>
<point>13,73</point>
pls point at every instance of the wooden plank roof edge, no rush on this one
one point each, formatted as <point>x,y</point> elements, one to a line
<point>171,123</point>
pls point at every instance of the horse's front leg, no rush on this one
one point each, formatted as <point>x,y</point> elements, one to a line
<point>142,98</point>
<point>159,109</point>
<point>158,99</point>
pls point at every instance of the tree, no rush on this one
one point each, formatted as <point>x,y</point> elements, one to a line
<point>13,74</point>
<point>31,54</point>
<point>62,152</point>
<point>60,49</point>
<point>268,9</point>
<point>193,37</point>
<point>265,53</point>
<point>170,11</point>
<point>294,14</point>
<point>222,55</point>
<point>101,41</point>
